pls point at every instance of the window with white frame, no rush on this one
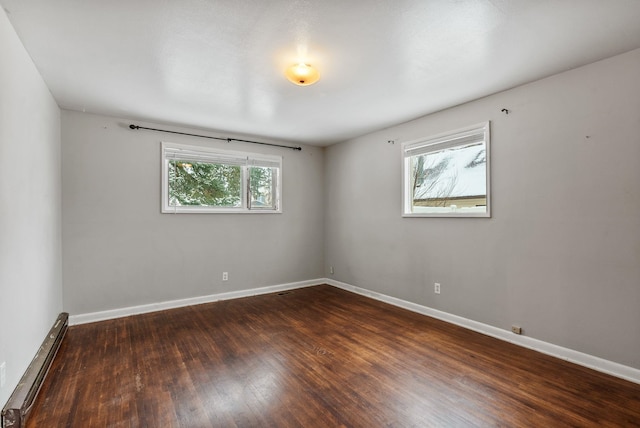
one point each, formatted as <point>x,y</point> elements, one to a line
<point>204,180</point>
<point>448,175</point>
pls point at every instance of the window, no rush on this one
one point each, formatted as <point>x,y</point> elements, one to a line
<point>204,180</point>
<point>447,175</point>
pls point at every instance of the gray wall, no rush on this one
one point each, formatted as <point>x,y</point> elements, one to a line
<point>30,249</point>
<point>561,254</point>
<point>120,251</point>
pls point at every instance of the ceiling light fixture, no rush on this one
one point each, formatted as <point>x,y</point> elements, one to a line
<point>302,74</point>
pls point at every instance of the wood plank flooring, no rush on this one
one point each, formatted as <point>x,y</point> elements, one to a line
<point>315,357</point>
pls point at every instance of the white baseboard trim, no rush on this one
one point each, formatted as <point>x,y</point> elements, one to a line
<point>580,358</point>
<point>153,307</point>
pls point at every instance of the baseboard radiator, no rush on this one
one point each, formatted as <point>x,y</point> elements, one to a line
<point>16,411</point>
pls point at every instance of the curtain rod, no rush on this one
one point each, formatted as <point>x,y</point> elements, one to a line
<point>228,140</point>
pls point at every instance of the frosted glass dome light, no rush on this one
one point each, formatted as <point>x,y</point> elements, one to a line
<point>302,74</point>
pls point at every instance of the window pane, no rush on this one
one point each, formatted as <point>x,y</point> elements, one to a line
<point>207,180</point>
<point>262,185</point>
<point>204,184</point>
<point>451,179</point>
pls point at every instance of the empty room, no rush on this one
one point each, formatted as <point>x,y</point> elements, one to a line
<point>420,213</point>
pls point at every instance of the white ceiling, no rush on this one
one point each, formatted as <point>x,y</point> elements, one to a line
<point>218,64</point>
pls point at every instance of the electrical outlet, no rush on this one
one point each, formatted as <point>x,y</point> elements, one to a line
<point>516,329</point>
<point>331,270</point>
<point>3,374</point>
<point>225,276</point>
<point>436,288</point>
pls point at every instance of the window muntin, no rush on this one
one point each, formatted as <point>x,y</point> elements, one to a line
<point>448,175</point>
<point>204,180</point>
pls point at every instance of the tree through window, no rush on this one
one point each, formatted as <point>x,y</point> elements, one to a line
<point>448,175</point>
<point>198,179</point>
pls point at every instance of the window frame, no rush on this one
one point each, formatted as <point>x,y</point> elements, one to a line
<point>245,160</point>
<point>434,144</point>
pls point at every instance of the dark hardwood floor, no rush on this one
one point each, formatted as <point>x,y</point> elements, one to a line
<point>315,357</point>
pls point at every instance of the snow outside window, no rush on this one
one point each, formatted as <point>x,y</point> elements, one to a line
<point>448,175</point>
<point>203,180</point>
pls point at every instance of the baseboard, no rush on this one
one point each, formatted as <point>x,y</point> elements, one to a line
<point>18,407</point>
<point>580,358</point>
<point>153,307</point>
<point>605,366</point>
